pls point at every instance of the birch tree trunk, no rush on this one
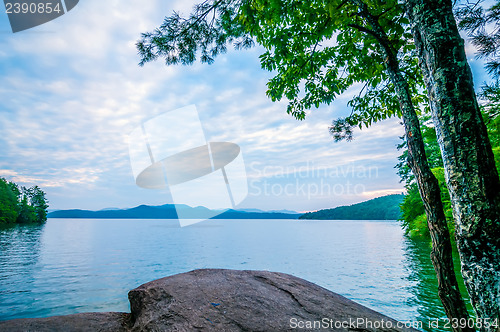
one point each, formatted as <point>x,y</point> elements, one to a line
<point>470,172</point>
<point>428,186</point>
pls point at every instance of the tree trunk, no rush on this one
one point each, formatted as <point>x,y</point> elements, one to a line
<point>470,172</point>
<point>428,186</point>
<point>441,254</point>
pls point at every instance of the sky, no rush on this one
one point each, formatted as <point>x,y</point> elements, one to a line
<point>72,93</point>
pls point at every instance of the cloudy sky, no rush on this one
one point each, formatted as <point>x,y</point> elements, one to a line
<point>72,92</point>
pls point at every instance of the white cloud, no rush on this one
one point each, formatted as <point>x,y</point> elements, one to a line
<point>71,96</point>
<point>63,178</point>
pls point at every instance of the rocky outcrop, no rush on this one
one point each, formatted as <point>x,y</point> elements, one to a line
<point>223,300</point>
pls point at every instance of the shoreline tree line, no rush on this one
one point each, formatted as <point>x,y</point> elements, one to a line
<point>21,205</point>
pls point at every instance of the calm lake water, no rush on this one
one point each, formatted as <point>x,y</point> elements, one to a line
<point>77,265</point>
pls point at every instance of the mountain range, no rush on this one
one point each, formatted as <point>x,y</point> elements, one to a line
<point>381,208</point>
<point>168,211</point>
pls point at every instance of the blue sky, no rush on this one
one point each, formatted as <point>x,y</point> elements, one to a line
<point>72,92</point>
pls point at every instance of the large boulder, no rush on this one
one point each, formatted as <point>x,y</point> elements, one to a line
<point>223,300</point>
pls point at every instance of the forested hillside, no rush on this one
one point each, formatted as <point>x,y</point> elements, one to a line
<point>381,208</point>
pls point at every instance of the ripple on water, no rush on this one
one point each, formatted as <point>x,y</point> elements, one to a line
<point>77,265</point>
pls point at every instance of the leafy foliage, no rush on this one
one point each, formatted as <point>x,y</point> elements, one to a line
<point>482,25</point>
<point>483,28</point>
<point>21,205</point>
<point>9,208</point>
<point>432,151</point>
<point>211,26</point>
<point>412,209</point>
<point>413,213</point>
<point>317,49</point>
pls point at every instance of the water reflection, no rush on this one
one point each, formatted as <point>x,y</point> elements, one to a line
<point>20,248</point>
<point>424,286</point>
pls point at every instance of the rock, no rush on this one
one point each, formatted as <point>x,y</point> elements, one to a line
<point>89,321</point>
<point>223,300</point>
<point>229,300</point>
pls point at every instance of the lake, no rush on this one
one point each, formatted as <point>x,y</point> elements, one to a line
<point>77,265</point>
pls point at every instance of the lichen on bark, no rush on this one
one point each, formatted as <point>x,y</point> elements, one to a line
<point>470,171</point>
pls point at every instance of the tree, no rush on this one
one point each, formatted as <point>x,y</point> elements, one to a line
<point>470,172</point>
<point>368,42</point>
<point>8,202</point>
<point>414,218</point>
<point>483,27</point>
<point>27,214</point>
<point>39,203</point>
<point>21,205</point>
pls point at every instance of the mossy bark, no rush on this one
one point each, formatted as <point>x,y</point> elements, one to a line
<point>441,254</point>
<point>470,172</point>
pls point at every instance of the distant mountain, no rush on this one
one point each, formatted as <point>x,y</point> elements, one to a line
<point>141,211</point>
<point>272,211</point>
<point>237,214</point>
<point>381,208</point>
<point>168,211</point>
